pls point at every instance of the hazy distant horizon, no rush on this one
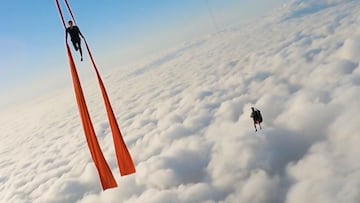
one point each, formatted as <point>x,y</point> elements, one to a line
<point>34,59</point>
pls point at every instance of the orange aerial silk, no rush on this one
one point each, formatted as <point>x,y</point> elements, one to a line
<point>124,160</point>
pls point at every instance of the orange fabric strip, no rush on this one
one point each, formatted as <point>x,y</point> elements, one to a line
<point>125,162</point>
<point>106,177</point>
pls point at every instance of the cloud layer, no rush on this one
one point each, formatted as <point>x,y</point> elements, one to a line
<point>185,116</point>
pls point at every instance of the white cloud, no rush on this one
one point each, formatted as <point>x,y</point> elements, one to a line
<point>185,117</point>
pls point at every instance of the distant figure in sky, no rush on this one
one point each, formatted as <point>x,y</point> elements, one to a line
<point>256,116</point>
<point>75,34</point>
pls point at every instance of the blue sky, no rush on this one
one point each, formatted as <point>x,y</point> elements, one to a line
<point>32,37</point>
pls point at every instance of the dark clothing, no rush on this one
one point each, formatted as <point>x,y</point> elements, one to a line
<point>74,32</point>
<point>76,44</point>
<point>256,116</point>
<point>253,115</point>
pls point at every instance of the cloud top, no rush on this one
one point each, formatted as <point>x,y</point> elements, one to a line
<point>185,117</point>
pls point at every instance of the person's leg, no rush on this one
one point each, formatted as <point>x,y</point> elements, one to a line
<point>75,45</point>
<point>255,126</point>
<point>79,46</point>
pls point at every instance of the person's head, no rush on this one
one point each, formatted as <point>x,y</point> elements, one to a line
<point>252,108</point>
<point>70,22</point>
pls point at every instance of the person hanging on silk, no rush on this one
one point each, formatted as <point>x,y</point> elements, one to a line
<point>75,34</point>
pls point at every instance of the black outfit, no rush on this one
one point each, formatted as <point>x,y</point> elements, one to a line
<point>256,116</point>
<point>75,33</point>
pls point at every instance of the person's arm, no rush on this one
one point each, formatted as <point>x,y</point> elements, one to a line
<point>80,32</point>
<point>66,34</point>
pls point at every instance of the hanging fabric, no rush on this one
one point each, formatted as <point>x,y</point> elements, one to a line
<point>124,160</point>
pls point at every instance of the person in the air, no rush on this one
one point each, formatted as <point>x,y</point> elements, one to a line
<point>256,116</point>
<point>75,34</point>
